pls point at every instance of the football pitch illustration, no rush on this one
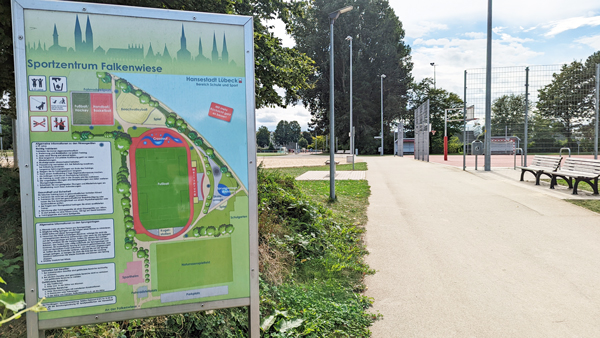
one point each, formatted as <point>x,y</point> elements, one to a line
<point>163,187</point>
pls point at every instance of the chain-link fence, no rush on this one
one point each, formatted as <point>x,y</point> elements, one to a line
<point>557,103</point>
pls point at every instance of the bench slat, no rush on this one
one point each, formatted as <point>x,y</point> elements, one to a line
<point>580,169</point>
<point>540,165</point>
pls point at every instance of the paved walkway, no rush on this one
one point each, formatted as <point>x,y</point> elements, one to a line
<point>478,254</point>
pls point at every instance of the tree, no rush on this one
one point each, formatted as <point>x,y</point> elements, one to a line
<point>275,66</point>
<point>7,76</point>
<point>122,142</point>
<point>295,131</point>
<point>568,99</point>
<point>7,135</point>
<point>543,134</point>
<point>302,143</point>
<point>282,132</point>
<point>263,136</point>
<point>123,186</point>
<point>378,48</point>
<point>287,132</point>
<point>508,115</point>
<point>308,137</point>
<point>319,142</point>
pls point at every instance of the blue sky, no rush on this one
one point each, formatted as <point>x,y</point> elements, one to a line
<point>453,35</point>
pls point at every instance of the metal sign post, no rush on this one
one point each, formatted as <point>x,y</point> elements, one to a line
<point>122,118</point>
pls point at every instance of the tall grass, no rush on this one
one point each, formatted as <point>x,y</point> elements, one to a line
<point>311,273</point>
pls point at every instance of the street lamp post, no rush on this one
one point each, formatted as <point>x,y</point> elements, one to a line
<point>382,77</point>
<point>332,17</point>
<point>433,64</point>
<point>349,38</point>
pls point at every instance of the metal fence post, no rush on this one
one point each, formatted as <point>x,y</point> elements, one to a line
<point>597,108</point>
<point>526,114</point>
<point>488,93</point>
<point>465,125</point>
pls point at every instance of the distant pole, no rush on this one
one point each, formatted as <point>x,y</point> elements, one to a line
<point>445,134</point>
<point>433,64</point>
<point>351,121</point>
<point>465,125</point>
<point>382,77</point>
<point>525,135</point>
<point>488,93</point>
<point>597,109</point>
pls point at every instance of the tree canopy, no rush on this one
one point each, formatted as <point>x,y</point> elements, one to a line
<point>275,66</point>
<point>569,98</point>
<point>302,143</point>
<point>287,132</point>
<point>508,115</point>
<point>378,48</point>
<point>308,137</point>
<point>263,136</point>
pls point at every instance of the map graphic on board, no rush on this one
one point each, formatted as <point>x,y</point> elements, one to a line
<point>141,184</point>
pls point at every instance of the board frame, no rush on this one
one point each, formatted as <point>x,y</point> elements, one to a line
<point>35,327</point>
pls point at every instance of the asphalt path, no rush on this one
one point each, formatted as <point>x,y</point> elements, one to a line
<point>476,254</point>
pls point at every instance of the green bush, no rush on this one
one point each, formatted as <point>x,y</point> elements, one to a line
<point>11,251</point>
<point>318,295</point>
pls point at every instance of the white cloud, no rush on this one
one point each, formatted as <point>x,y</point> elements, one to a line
<point>280,32</point>
<point>453,56</point>
<point>422,28</point>
<point>498,30</point>
<point>592,41</point>
<point>269,117</point>
<point>564,25</point>
<point>512,13</point>
<point>475,35</point>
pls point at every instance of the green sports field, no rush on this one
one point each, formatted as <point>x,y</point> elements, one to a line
<point>162,187</point>
<point>192,264</point>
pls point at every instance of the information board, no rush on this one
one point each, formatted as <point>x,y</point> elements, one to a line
<point>136,150</point>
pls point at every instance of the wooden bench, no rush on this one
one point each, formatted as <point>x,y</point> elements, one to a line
<point>336,162</point>
<point>579,169</point>
<point>541,165</point>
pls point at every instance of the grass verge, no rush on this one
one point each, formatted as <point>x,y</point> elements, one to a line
<point>297,171</point>
<point>593,205</point>
<point>311,268</point>
<point>562,182</point>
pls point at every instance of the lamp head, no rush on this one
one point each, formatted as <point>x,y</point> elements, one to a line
<point>383,76</point>
<point>432,63</point>
<point>335,14</point>
<point>348,38</point>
